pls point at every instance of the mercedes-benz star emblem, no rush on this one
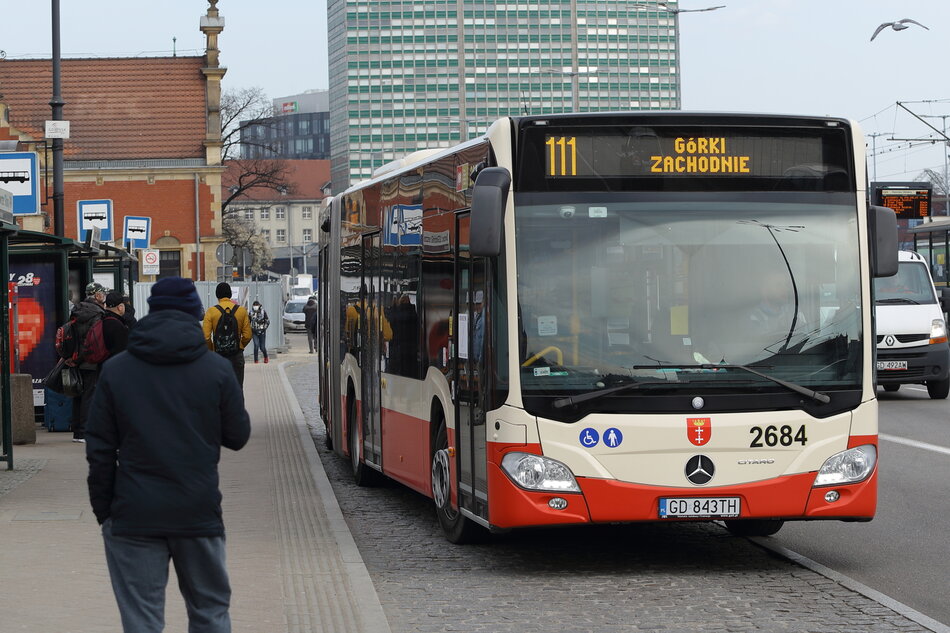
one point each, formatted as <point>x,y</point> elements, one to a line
<point>700,469</point>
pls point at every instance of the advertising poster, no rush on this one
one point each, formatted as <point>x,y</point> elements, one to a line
<point>36,315</point>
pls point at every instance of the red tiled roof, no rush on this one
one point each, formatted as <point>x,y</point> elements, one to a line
<point>306,176</point>
<point>118,108</point>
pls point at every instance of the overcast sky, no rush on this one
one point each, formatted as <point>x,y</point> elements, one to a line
<point>789,56</point>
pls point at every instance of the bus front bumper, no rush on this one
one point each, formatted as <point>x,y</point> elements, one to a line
<point>607,501</point>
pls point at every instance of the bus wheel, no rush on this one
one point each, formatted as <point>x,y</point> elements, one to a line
<point>755,527</point>
<point>938,389</point>
<point>458,529</point>
<point>891,388</point>
<point>363,475</point>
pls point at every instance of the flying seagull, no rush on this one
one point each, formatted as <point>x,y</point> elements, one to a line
<point>900,25</point>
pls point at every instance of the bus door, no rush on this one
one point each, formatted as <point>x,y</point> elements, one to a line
<point>370,354</point>
<point>469,359</point>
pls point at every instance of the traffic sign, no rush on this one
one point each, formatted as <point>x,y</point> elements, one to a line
<point>95,213</point>
<point>150,262</point>
<point>138,232</point>
<point>19,174</point>
<point>225,253</point>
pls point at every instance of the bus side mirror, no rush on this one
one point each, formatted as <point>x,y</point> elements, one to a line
<point>883,228</point>
<point>489,199</point>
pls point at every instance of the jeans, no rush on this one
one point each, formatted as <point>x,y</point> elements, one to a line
<point>138,567</point>
<point>260,341</point>
<point>237,361</point>
<point>311,339</point>
<point>89,379</point>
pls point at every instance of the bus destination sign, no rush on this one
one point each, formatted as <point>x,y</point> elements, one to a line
<point>907,200</point>
<point>690,151</point>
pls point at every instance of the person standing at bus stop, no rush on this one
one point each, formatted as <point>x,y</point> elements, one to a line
<point>259,324</point>
<point>310,320</point>
<point>161,413</point>
<point>212,332</point>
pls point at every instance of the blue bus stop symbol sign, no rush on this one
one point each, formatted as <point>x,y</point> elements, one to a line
<point>19,174</point>
<point>95,213</point>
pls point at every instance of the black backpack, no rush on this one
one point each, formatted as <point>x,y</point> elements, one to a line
<point>226,337</point>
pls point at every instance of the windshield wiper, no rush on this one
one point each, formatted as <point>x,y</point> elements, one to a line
<point>898,300</point>
<point>805,391</point>
<point>592,395</point>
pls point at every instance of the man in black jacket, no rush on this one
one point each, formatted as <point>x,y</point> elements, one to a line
<point>115,332</point>
<point>162,411</point>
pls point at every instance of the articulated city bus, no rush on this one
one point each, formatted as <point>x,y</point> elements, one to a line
<point>593,318</point>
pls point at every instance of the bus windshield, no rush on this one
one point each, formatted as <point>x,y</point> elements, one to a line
<point>626,287</point>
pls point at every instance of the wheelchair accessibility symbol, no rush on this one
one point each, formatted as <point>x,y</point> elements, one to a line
<point>589,437</point>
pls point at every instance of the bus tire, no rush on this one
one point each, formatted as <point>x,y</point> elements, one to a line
<point>363,475</point>
<point>754,527</point>
<point>458,529</point>
<point>890,388</point>
<point>938,389</point>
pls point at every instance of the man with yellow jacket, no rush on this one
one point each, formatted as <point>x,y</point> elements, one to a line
<point>222,340</point>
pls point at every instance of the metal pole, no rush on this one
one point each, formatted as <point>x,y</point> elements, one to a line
<point>59,226</point>
<point>576,90</point>
<point>679,69</point>
<point>6,420</point>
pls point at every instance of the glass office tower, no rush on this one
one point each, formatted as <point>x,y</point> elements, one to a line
<point>414,75</point>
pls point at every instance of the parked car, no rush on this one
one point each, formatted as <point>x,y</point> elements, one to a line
<point>294,319</point>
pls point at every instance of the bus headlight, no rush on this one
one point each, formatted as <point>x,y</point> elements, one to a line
<point>847,467</point>
<point>938,332</point>
<point>535,472</point>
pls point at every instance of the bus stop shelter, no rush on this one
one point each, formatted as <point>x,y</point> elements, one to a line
<point>8,229</point>
<point>932,241</point>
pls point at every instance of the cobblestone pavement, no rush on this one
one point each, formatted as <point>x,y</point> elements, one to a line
<point>652,577</point>
<point>23,469</point>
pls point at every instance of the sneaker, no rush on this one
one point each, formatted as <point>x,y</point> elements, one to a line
<point>266,360</point>
<point>255,361</point>
<point>79,440</point>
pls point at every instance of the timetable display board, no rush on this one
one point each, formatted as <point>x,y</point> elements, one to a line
<point>909,200</point>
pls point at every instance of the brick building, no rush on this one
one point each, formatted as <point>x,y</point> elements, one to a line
<point>145,133</point>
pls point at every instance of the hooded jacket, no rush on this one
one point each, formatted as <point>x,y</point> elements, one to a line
<point>161,413</point>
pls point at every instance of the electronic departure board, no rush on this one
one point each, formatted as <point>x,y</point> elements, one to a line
<point>907,200</point>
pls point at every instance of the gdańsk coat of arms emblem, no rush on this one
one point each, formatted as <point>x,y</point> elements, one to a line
<point>699,430</point>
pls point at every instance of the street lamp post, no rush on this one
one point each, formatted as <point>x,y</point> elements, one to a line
<point>874,150</point>
<point>664,6</point>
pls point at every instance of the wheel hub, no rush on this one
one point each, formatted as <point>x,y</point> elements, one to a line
<point>440,478</point>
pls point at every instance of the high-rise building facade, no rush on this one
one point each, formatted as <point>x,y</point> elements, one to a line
<point>429,73</point>
<point>299,130</point>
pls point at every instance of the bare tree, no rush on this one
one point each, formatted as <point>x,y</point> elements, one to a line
<point>245,114</point>
<point>248,243</point>
<point>939,188</point>
<point>249,109</point>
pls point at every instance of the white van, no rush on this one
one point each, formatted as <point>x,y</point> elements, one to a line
<point>911,331</point>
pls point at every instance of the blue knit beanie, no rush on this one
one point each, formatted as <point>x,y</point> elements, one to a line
<point>176,293</point>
